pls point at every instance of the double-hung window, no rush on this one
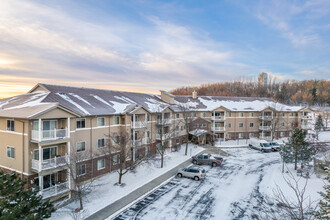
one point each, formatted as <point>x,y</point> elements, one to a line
<point>100,143</point>
<point>10,125</point>
<point>81,123</point>
<point>81,146</point>
<point>10,152</point>
<point>100,164</point>
<point>100,122</point>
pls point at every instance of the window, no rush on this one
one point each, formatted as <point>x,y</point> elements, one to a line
<point>177,115</point>
<point>229,136</point>
<point>10,125</point>
<point>148,117</point>
<point>81,146</point>
<point>251,125</point>
<point>282,124</point>
<point>81,169</point>
<point>240,125</point>
<point>116,120</point>
<point>241,114</point>
<point>36,154</point>
<point>291,114</point>
<point>100,122</point>
<point>100,164</point>
<point>203,114</point>
<point>229,125</point>
<point>229,114</point>
<point>116,139</point>
<point>240,135</point>
<point>203,125</point>
<point>80,123</point>
<point>283,114</point>
<point>116,159</point>
<point>100,143</point>
<point>282,134</point>
<point>11,152</point>
<point>148,134</point>
<point>35,125</point>
<point>251,114</point>
<point>194,114</point>
<point>177,128</point>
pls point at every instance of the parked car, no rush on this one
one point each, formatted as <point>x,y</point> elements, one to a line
<point>275,146</point>
<point>195,173</point>
<point>207,159</point>
<point>258,144</point>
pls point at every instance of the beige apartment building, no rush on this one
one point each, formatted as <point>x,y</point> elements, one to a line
<point>42,130</point>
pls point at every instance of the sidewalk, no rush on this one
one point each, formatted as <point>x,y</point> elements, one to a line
<point>136,194</point>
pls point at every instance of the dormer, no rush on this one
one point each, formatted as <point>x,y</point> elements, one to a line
<point>167,97</point>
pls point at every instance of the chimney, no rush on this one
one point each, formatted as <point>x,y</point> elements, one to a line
<point>194,94</point>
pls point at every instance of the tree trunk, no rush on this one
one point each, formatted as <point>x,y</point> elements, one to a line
<point>162,161</point>
<point>120,175</point>
<point>80,198</point>
<point>187,138</point>
<point>295,159</point>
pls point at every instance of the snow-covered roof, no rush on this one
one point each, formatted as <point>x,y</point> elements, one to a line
<point>210,103</point>
<point>92,102</point>
<point>198,132</point>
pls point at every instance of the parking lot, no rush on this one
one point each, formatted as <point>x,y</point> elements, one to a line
<point>228,192</point>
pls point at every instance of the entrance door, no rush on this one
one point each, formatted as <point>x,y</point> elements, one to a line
<point>48,128</point>
<point>49,180</point>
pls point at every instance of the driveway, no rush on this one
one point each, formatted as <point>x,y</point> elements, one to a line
<point>228,192</point>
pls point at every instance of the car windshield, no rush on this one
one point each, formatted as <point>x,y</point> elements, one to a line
<point>266,145</point>
<point>275,144</point>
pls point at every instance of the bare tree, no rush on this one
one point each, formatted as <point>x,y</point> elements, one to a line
<point>187,121</point>
<point>121,149</point>
<point>299,207</point>
<point>80,172</point>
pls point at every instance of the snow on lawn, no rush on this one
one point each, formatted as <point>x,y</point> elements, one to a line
<point>106,192</point>
<point>324,136</point>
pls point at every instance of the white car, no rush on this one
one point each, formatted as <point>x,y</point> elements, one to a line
<point>195,173</point>
<point>275,146</point>
<point>258,144</point>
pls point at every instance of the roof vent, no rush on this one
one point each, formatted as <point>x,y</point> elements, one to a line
<point>194,94</point>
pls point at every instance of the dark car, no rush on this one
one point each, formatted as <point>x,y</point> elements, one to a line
<point>207,159</point>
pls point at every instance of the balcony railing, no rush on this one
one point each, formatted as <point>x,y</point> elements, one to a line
<point>55,190</point>
<point>164,136</point>
<point>218,118</point>
<point>139,124</point>
<point>266,117</point>
<point>265,128</point>
<point>165,121</point>
<point>50,163</point>
<point>218,128</point>
<point>306,117</point>
<point>140,142</point>
<point>47,135</point>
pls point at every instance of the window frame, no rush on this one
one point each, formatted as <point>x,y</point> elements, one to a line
<point>98,143</point>
<point>11,126</point>
<point>114,120</point>
<point>101,168</point>
<point>84,146</point>
<point>103,124</point>
<point>12,151</point>
<point>80,169</point>
<point>241,123</point>
<point>80,120</point>
<point>118,159</point>
<point>252,124</point>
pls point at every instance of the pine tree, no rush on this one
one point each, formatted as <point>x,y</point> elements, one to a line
<point>298,150</point>
<point>18,203</point>
<point>324,204</point>
<point>319,124</point>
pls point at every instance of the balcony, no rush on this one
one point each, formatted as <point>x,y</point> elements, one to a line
<point>50,135</point>
<point>55,190</point>
<point>163,137</point>
<point>139,124</point>
<point>50,163</point>
<point>266,117</point>
<point>265,128</point>
<point>140,142</point>
<point>218,129</point>
<point>306,117</point>
<point>218,118</point>
<point>166,121</point>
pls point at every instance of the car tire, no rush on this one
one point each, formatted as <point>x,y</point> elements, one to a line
<point>214,164</point>
<point>196,178</point>
<point>195,162</point>
<point>179,175</point>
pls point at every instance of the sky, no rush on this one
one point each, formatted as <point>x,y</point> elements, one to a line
<point>147,46</point>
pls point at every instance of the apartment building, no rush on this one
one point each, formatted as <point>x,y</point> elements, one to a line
<point>41,131</point>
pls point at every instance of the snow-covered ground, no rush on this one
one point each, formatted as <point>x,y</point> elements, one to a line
<point>324,136</point>
<point>106,192</point>
<point>236,190</point>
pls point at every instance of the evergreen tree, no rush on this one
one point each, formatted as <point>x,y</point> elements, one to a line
<point>19,203</point>
<point>298,150</point>
<point>319,124</point>
<point>324,204</point>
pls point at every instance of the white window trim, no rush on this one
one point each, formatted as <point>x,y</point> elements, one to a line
<point>83,174</point>
<point>98,165</point>
<point>7,152</point>
<point>77,126</point>
<point>97,121</point>
<point>77,146</point>
<point>98,143</point>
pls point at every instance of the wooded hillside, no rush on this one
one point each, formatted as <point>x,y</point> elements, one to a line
<point>311,92</point>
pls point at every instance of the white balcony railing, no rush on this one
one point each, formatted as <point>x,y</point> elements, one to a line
<point>164,136</point>
<point>306,117</point>
<point>140,142</point>
<point>267,117</point>
<point>55,190</point>
<point>47,135</point>
<point>165,121</point>
<point>50,163</point>
<point>139,124</point>
<point>218,118</point>
<point>265,128</point>
<point>218,128</point>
